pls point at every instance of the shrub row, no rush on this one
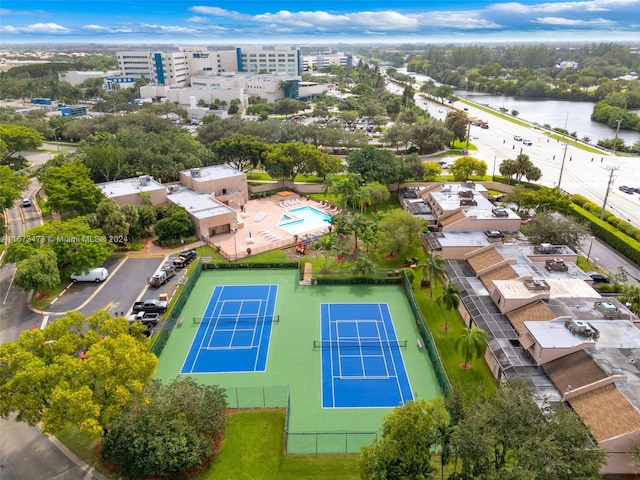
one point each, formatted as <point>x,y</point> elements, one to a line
<point>623,243</point>
<point>617,223</point>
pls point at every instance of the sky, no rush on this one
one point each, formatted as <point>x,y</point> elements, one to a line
<point>323,22</point>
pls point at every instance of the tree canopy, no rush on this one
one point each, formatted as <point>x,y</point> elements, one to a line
<point>75,244</point>
<point>15,138</point>
<point>409,435</point>
<point>375,165</point>
<point>11,186</point>
<point>79,370</point>
<point>174,431</point>
<point>69,188</point>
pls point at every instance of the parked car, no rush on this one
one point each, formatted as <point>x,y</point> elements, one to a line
<point>185,258</point>
<point>150,306</point>
<point>517,138</point>
<point>527,142</point>
<point>93,275</point>
<point>625,189</point>
<point>25,202</point>
<point>598,277</point>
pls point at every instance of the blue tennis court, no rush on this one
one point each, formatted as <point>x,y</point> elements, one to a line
<point>234,331</point>
<point>362,364</point>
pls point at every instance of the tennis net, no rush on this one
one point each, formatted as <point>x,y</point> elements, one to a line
<point>237,319</point>
<point>359,343</point>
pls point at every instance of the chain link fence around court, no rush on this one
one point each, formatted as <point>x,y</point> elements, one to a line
<point>427,339</point>
<point>298,442</point>
<point>174,315</point>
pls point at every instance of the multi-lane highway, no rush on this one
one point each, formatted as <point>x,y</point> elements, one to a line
<point>583,172</point>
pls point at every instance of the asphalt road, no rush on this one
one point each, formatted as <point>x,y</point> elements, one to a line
<point>583,172</point>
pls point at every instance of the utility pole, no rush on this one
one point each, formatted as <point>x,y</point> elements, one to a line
<point>615,140</point>
<point>606,195</point>
<point>564,156</point>
<point>468,136</point>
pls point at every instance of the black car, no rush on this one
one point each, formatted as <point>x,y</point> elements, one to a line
<point>598,277</point>
<point>625,189</point>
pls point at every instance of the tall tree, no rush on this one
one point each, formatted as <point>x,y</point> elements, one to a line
<point>38,271</point>
<point>433,269</point>
<point>174,432</point>
<point>16,138</point>
<point>409,438</point>
<point>400,231</point>
<point>375,165</point>
<point>11,186</point>
<point>450,299</point>
<point>472,344</point>
<point>79,370</point>
<point>242,152</point>
<point>464,167</point>
<point>69,189</point>
<point>547,443</point>
<point>76,245</point>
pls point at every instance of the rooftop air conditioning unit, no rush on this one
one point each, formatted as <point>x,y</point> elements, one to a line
<point>545,248</point>
<point>195,173</point>
<point>144,180</point>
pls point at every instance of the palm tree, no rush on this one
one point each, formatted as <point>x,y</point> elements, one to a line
<point>450,298</point>
<point>326,243</point>
<point>472,344</point>
<point>433,269</point>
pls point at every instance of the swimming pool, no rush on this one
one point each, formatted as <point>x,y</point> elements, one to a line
<point>304,219</point>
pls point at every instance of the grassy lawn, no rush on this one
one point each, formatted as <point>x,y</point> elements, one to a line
<point>469,380</point>
<point>253,448</point>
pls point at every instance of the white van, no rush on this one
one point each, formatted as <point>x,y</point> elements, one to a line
<point>94,275</point>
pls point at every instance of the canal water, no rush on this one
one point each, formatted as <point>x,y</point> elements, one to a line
<point>556,113</point>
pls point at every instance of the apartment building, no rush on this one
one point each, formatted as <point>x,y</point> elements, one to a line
<point>175,68</point>
<point>550,328</point>
<point>318,61</point>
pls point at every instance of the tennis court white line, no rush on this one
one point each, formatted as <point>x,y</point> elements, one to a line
<point>393,360</point>
<point>210,329</point>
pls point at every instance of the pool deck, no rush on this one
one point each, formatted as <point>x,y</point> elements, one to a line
<point>261,219</point>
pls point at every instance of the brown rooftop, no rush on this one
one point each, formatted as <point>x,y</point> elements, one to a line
<point>484,260</point>
<point>576,369</point>
<point>459,215</point>
<point>606,412</point>
<point>504,272</point>
<point>535,312</point>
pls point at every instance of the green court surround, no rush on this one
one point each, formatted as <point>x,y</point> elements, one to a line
<point>293,362</point>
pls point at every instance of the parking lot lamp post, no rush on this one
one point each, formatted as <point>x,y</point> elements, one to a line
<point>234,230</point>
<point>589,251</point>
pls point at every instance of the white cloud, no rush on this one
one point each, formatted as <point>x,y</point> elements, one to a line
<point>9,29</point>
<point>109,30</point>
<point>197,19</point>
<point>573,22</point>
<point>219,12</point>
<point>36,29</point>
<point>6,11</point>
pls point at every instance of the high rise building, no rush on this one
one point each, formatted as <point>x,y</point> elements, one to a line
<point>176,68</point>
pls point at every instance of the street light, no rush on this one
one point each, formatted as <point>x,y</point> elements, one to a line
<point>234,230</point>
<point>589,252</point>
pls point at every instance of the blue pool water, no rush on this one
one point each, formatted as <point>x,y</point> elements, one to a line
<point>304,219</point>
